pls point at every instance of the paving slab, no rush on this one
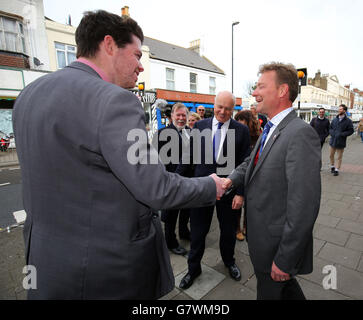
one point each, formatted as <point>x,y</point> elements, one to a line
<point>202,285</point>
<point>351,226</point>
<point>328,221</point>
<point>313,291</point>
<point>360,266</point>
<point>350,283</point>
<point>355,242</point>
<point>344,256</point>
<point>318,244</point>
<point>332,235</point>
<point>230,289</point>
<point>345,214</point>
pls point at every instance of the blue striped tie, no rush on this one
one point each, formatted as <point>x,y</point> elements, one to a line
<point>216,141</point>
<point>265,132</point>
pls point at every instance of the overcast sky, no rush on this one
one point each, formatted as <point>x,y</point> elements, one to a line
<point>316,34</point>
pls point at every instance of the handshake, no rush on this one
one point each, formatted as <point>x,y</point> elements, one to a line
<point>222,185</point>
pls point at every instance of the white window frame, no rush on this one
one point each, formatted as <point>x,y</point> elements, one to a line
<point>212,85</point>
<point>193,84</point>
<point>19,32</point>
<point>68,48</point>
<point>170,82</point>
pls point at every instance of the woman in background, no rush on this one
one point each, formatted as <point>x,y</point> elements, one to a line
<point>193,118</point>
<point>246,117</point>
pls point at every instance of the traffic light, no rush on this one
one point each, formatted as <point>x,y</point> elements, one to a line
<point>141,87</point>
<point>303,75</point>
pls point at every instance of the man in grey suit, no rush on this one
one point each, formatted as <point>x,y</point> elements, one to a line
<point>90,230</point>
<point>282,188</point>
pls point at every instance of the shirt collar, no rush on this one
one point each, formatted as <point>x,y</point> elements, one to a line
<point>100,72</point>
<point>280,116</point>
<point>215,122</point>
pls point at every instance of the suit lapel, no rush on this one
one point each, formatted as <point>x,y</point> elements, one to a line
<point>266,150</point>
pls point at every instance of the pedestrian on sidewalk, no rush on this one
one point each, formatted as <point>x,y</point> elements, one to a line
<point>360,129</point>
<point>321,124</point>
<point>340,128</point>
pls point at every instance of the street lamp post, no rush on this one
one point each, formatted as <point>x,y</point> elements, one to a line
<point>233,24</point>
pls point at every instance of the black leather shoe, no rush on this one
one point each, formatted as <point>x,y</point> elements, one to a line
<point>234,272</point>
<point>187,281</point>
<point>336,173</point>
<point>332,169</point>
<point>179,250</point>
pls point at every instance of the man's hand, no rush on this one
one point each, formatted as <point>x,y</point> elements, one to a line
<point>278,275</point>
<point>237,202</point>
<point>219,185</point>
<point>226,183</point>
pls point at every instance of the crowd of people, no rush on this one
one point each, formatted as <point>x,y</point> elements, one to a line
<point>93,230</point>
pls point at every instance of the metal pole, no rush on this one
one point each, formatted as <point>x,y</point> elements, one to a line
<point>298,103</point>
<point>232,57</point>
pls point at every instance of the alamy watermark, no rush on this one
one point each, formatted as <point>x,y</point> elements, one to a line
<point>200,151</point>
<point>30,281</point>
<point>330,281</point>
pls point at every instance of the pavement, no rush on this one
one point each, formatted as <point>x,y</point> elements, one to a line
<point>338,247</point>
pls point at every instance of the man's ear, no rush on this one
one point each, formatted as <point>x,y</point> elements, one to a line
<point>283,90</point>
<point>109,45</point>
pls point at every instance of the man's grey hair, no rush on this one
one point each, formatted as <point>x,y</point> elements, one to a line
<point>178,106</point>
<point>233,97</point>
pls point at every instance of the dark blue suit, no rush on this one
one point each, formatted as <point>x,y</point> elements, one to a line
<point>201,218</point>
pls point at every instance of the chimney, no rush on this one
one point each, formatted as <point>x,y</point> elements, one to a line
<point>195,46</point>
<point>125,11</point>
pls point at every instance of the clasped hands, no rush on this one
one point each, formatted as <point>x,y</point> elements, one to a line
<point>222,185</point>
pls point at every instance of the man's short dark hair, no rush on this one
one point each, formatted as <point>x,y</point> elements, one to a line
<point>344,107</point>
<point>94,26</point>
<point>285,73</point>
<point>321,108</point>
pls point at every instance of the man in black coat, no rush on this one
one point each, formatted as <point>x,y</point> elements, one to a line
<point>321,126</point>
<point>172,140</point>
<point>340,128</point>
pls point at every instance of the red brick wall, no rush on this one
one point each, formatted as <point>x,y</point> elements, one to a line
<point>188,97</point>
<point>14,61</point>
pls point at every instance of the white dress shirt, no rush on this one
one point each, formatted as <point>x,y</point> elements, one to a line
<point>276,121</point>
<point>224,129</point>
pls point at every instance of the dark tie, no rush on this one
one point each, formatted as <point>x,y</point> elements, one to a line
<point>217,140</point>
<point>265,132</point>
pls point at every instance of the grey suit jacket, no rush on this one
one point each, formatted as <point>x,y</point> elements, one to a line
<point>90,231</point>
<point>282,197</point>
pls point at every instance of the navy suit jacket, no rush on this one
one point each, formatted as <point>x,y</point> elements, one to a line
<point>241,147</point>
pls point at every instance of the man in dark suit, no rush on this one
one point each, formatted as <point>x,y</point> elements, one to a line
<point>282,197</point>
<point>221,127</point>
<point>175,135</point>
<point>90,230</point>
